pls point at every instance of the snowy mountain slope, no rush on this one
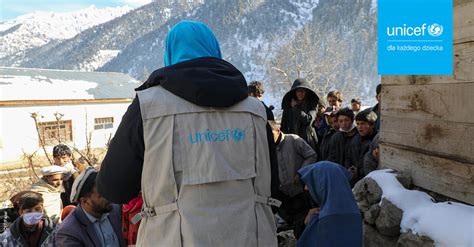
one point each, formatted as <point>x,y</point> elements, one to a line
<point>77,52</point>
<point>39,28</point>
<point>241,28</point>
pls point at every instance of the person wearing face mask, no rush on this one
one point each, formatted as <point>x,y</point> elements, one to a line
<point>33,228</point>
<point>338,146</point>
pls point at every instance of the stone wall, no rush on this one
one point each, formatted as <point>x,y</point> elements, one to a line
<point>382,218</point>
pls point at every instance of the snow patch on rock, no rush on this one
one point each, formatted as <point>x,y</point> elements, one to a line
<point>447,223</point>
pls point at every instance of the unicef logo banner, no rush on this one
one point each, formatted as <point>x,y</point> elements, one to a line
<point>415,37</point>
<point>435,30</point>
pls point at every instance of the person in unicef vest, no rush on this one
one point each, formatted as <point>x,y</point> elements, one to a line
<point>199,150</point>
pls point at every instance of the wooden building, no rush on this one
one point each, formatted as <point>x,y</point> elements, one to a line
<point>428,121</point>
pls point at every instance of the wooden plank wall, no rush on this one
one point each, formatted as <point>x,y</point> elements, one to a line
<point>428,121</point>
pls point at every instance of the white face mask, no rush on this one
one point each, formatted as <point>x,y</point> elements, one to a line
<point>352,127</point>
<point>32,218</point>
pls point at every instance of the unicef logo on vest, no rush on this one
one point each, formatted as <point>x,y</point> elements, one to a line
<point>236,135</point>
<point>435,29</point>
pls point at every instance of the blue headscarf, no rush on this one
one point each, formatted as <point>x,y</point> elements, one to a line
<point>339,222</point>
<point>188,40</point>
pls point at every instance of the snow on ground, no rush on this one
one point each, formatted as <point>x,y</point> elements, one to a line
<point>447,223</point>
<point>36,87</point>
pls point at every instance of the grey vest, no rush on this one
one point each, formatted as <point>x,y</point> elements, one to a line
<point>206,173</point>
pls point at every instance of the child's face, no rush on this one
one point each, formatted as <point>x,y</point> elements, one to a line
<point>364,128</point>
<point>38,208</point>
<point>345,122</point>
<point>332,101</point>
<point>300,94</point>
<point>355,106</point>
<point>321,109</point>
<point>333,122</point>
<point>55,180</point>
<point>62,160</point>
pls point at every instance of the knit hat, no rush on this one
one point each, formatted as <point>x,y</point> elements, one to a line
<point>367,115</point>
<point>356,100</point>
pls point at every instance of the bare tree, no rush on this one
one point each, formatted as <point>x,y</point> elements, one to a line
<point>41,137</point>
<point>322,58</point>
<point>29,159</point>
<point>58,117</point>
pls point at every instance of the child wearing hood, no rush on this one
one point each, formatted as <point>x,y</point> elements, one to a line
<point>337,221</point>
<point>299,112</point>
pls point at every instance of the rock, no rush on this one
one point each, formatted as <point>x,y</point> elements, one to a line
<point>371,215</point>
<point>286,239</point>
<point>374,192</point>
<point>372,238</point>
<point>363,205</point>
<point>367,192</point>
<point>388,221</point>
<point>405,179</point>
<point>409,239</point>
<point>358,190</point>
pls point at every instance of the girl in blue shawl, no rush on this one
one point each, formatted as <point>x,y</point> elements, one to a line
<point>339,222</point>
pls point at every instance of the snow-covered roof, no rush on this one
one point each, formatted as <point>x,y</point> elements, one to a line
<point>41,84</point>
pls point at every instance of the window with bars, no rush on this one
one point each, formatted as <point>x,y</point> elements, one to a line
<point>53,133</point>
<point>103,123</point>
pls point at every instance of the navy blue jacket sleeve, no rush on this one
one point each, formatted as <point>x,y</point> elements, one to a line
<point>119,178</point>
<point>275,178</point>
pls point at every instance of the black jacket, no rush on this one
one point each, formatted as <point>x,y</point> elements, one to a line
<point>358,147</point>
<point>202,81</point>
<point>270,116</point>
<point>370,162</point>
<point>324,146</point>
<point>299,119</point>
<point>338,146</point>
<point>376,109</point>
